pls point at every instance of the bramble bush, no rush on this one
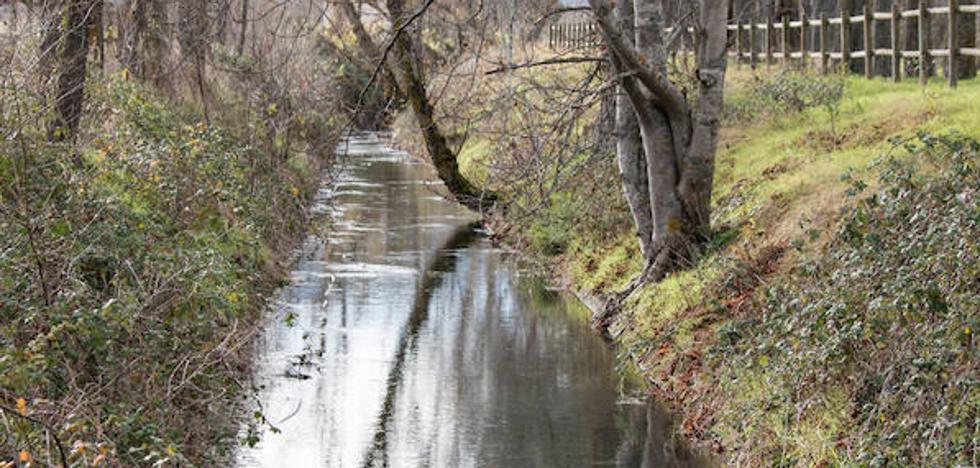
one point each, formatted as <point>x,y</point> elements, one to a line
<point>131,267</point>
<point>769,96</point>
<point>866,355</point>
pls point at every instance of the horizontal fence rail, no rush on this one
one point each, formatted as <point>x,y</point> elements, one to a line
<point>769,41</point>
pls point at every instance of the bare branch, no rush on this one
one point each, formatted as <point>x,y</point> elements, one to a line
<point>551,61</point>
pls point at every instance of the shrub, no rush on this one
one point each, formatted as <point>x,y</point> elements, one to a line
<point>786,92</point>
<point>130,268</point>
<point>868,354</point>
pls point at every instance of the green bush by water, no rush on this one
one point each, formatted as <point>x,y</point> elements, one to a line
<point>130,273</point>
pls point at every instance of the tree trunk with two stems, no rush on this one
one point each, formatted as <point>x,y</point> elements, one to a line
<point>678,138</point>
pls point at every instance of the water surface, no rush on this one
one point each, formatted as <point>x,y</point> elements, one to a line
<point>407,340</point>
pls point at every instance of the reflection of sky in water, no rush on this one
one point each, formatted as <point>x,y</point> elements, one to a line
<point>421,347</point>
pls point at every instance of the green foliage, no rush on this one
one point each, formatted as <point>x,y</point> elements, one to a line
<point>130,273</point>
<point>884,320</point>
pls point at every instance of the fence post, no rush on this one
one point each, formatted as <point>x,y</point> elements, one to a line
<point>924,59</point>
<point>869,45</point>
<point>804,47</point>
<point>954,41</point>
<point>824,53</point>
<point>845,34</point>
<point>753,58</point>
<point>769,29</point>
<point>896,44</point>
<point>785,38</point>
<point>738,43</point>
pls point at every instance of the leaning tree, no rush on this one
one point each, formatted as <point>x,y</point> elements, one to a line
<point>666,141</point>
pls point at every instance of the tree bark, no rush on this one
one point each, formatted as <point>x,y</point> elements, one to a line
<point>678,139</point>
<point>51,12</point>
<point>130,55</point>
<point>156,42</point>
<point>411,84</point>
<point>629,150</point>
<point>244,29</point>
<point>370,49</point>
<point>194,36</point>
<point>70,96</point>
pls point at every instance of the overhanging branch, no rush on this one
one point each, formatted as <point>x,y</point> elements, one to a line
<point>551,61</point>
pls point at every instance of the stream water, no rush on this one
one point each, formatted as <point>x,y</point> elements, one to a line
<point>407,340</point>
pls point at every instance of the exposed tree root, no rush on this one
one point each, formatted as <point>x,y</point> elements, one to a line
<point>665,261</point>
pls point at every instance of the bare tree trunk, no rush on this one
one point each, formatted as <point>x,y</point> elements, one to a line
<point>414,89</point>
<point>98,10</point>
<point>664,131</point>
<point>156,42</point>
<point>370,50</point>
<point>194,41</point>
<point>71,82</point>
<point>244,30</point>
<point>679,139</point>
<point>698,166</point>
<point>51,15</point>
<point>629,149</point>
<point>130,59</point>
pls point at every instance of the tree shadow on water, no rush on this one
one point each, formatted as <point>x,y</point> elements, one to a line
<point>445,262</point>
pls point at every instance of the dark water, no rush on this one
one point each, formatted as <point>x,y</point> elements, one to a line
<point>407,340</point>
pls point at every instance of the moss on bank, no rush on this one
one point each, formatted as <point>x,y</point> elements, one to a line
<point>133,270</point>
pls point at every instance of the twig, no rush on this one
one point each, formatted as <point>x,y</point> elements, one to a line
<point>384,58</point>
<point>560,11</point>
<point>551,61</point>
<point>54,435</point>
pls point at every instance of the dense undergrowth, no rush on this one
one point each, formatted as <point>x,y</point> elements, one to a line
<point>863,352</point>
<point>830,321</point>
<point>132,272</point>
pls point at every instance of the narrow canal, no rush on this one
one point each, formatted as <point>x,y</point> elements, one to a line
<point>406,339</point>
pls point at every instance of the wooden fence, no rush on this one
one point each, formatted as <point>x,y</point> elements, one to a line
<point>775,44</point>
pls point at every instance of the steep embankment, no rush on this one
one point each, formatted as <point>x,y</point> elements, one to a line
<point>133,272</point>
<point>831,320</point>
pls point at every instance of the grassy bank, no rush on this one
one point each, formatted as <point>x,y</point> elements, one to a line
<point>831,321</point>
<point>133,270</point>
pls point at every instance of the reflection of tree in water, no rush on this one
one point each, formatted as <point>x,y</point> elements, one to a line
<point>651,441</point>
<point>432,277</point>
